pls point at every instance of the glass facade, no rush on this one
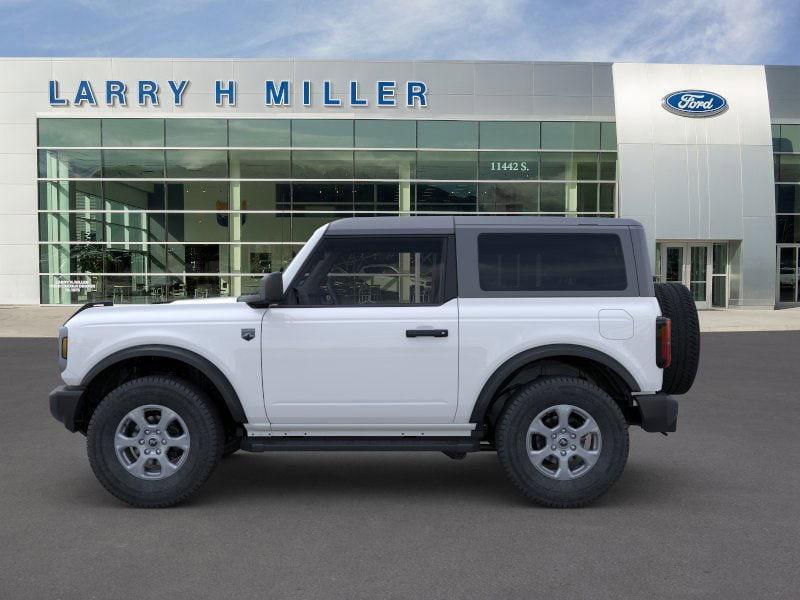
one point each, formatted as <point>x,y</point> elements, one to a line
<point>786,148</point>
<point>148,210</point>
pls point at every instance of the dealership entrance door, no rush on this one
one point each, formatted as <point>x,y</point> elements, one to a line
<point>700,266</point>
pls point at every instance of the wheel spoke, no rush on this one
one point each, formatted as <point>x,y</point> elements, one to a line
<point>180,441</point>
<point>123,441</point>
<point>589,456</point>
<point>137,416</point>
<point>167,468</point>
<point>589,426</point>
<point>563,411</point>
<point>137,468</point>
<point>563,471</point>
<point>538,427</point>
<point>167,416</point>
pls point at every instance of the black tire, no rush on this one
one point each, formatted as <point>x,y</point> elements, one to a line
<point>512,431</point>
<point>194,408</point>
<point>677,304</point>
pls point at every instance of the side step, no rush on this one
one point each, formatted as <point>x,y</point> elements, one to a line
<point>443,444</point>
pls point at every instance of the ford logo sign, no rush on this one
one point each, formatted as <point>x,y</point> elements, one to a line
<point>695,103</point>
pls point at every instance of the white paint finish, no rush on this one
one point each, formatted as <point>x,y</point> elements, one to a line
<point>250,75</point>
<point>365,429</point>
<point>356,365</point>
<point>338,72</point>
<point>202,74</point>
<point>504,78</point>
<point>18,168</point>
<point>18,259</point>
<point>18,198</point>
<point>561,107</point>
<point>132,70</point>
<point>16,136</point>
<point>70,71</point>
<point>210,328</point>
<point>517,106</point>
<point>19,289</point>
<point>615,324</point>
<point>494,330</point>
<point>18,229</point>
<point>24,75</point>
<point>446,77</point>
<point>22,107</point>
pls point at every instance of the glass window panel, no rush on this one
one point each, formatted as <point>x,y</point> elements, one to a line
<point>508,197</point>
<point>64,226</point>
<point>509,165</point>
<point>608,136</point>
<point>718,292</point>
<point>787,198</point>
<point>374,271</point>
<point>305,224</point>
<point>133,132</point>
<point>197,132</point>
<point>62,164</point>
<point>787,229</point>
<point>69,132</point>
<point>199,258</point>
<point>71,258</point>
<point>587,197</point>
<point>385,164</point>
<point>509,134</point>
<point>322,197</point>
<point>776,138</point>
<point>447,134</point>
<point>551,262</point>
<point>129,195</point>
<point>129,258</point>
<point>269,133</point>
<point>787,263</point>
<point>134,227</point>
<point>790,138</point>
<point>322,164</point>
<point>789,170</point>
<point>322,133</point>
<point>587,136</point>
<point>206,287</point>
<point>608,166</point>
<point>266,227</point>
<point>265,258</point>
<point>556,165</point>
<point>447,165</point>
<point>381,198</point>
<point>720,262</point>
<point>70,289</point>
<point>197,163</point>
<point>260,164</point>
<point>133,163</point>
<point>447,197</point>
<point>263,195</point>
<point>553,198</point>
<point>557,135</point>
<point>198,195</point>
<point>198,227</point>
<point>382,133</point>
<point>586,166</point>
<point>607,197</point>
<point>70,195</point>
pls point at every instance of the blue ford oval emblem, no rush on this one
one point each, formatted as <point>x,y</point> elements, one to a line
<point>695,103</point>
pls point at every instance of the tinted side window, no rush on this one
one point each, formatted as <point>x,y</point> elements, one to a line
<point>557,262</point>
<point>363,271</point>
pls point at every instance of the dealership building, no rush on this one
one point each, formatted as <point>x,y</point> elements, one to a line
<point>146,180</point>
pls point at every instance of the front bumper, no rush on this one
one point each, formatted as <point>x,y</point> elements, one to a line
<point>659,412</point>
<point>66,402</point>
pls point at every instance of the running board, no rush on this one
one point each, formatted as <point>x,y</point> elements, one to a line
<point>363,443</point>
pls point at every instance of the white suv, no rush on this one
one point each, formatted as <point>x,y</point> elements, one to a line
<point>542,339</point>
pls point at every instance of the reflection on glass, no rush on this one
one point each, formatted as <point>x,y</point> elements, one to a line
<point>264,133</point>
<point>322,164</point>
<point>65,133</point>
<point>673,268</point>
<point>508,197</point>
<point>447,134</point>
<point>385,164</point>
<point>260,164</point>
<point>124,164</point>
<point>447,197</point>
<point>199,133</point>
<point>127,133</point>
<point>383,133</point>
<point>509,134</point>
<point>447,165</point>
<point>197,164</point>
<point>63,164</point>
<point>321,133</point>
<point>553,198</point>
<point>509,165</point>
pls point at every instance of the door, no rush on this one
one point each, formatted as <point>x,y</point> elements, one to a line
<point>369,335</point>
<point>689,264</point>
<point>787,279</point>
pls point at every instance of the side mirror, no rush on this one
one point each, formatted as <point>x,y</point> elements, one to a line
<point>272,288</point>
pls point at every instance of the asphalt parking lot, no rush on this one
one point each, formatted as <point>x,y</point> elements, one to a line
<point>712,511</point>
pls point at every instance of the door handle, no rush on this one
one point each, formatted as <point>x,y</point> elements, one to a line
<point>439,333</point>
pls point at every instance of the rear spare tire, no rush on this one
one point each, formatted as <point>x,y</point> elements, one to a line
<point>678,306</point>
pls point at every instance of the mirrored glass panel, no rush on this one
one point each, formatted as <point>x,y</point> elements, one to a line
<point>447,134</point>
<point>508,197</point>
<point>509,134</point>
<point>132,164</point>
<point>260,164</point>
<point>63,164</point>
<point>198,195</point>
<point>322,133</point>
<point>259,133</point>
<point>447,165</point>
<point>386,164</point>
<point>197,164</point>
<point>384,133</point>
<point>322,164</point>
<point>70,195</point>
<point>196,132</point>
<point>447,197</point>
<point>128,133</point>
<point>69,133</point>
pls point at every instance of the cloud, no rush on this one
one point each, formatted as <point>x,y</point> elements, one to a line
<point>714,31</point>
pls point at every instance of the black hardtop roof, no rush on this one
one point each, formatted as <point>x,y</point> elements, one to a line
<point>448,224</point>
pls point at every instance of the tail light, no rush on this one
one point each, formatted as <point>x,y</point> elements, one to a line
<point>663,342</point>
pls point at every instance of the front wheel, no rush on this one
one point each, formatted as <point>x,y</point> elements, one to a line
<point>563,441</point>
<point>153,441</point>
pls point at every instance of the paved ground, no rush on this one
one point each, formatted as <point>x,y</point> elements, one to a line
<point>710,512</point>
<point>43,321</point>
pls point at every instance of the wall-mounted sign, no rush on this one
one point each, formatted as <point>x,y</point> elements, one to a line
<point>276,93</point>
<point>695,103</point>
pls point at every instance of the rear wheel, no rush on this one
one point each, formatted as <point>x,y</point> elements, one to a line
<point>563,441</point>
<point>153,441</point>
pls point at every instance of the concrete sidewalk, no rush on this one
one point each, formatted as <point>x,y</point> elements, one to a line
<point>43,321</point>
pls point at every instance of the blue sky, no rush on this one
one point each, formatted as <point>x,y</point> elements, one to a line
<point>713,31</point>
